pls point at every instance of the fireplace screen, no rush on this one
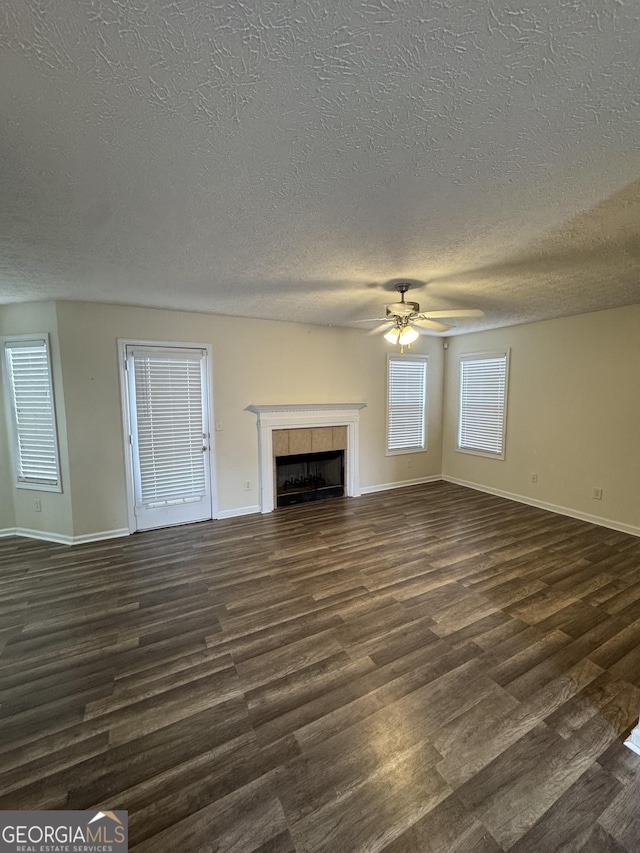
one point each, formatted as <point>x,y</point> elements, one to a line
<point>309,477</point>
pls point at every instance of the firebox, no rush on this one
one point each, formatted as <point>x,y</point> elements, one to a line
<point>309,477</point>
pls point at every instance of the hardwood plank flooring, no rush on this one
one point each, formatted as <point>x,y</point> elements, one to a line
<point>427,670</point>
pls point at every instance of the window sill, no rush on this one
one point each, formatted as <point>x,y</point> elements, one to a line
<point>39,487</point>
<point>485,453</point>
<point>405,451</point>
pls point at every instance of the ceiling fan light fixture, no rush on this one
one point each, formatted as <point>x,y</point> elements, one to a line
<point>404,335</point>
<point>408,335</point>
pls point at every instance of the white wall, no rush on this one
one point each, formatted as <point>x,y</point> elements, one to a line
<point>254,361</point>
<point>573,414</point>
<point>55,516</point>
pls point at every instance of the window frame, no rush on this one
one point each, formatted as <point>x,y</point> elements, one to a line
<point>480,356</point>
<point>12,422</point>
<point>424,359</point>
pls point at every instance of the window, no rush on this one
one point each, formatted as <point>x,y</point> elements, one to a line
<point>406,403</point>
<point>483,387</point>
<point>168,426</point>
<point>30,406</point>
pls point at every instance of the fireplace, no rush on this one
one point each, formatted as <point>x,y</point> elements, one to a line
<point>306,477</point>
<point>300,430</point>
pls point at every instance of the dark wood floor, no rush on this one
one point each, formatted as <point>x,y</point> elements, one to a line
<point>428,669</point>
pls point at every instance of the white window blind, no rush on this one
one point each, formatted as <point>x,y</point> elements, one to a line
<point>406,405</point>
<point>483,384</point>
<point>169,424</point>
<point>30,397</point>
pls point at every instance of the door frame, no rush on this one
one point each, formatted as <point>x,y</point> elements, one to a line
<point>122,344</point>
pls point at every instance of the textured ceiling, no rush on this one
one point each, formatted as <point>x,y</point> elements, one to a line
<point>275,158</point>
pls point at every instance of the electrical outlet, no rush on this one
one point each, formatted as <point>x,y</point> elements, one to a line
<point>409,463</point>
<point>37,505</point>
<point>534,478</point>
<point>247,485</point>
<point>596,494</point>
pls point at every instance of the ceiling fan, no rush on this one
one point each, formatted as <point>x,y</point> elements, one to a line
<point>401,317</point>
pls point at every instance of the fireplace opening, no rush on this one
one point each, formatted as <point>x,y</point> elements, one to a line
<point>309,477</point>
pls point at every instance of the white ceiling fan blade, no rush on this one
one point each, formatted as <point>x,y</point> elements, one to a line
<point>453,312</point>
<point>432,325</point>
<point>373,320</point>
<point>381,328</point>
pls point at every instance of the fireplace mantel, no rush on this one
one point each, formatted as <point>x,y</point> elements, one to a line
<point>303,415</point>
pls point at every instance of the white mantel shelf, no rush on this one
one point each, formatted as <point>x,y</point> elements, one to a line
<point>305,407</point>
<point>302,415</point>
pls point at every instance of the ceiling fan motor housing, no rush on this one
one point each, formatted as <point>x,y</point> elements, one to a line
<point>402,309</point>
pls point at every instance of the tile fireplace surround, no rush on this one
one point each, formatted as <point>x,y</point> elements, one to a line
<point>303,416</point>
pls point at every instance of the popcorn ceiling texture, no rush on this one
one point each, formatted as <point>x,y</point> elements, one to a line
<point>287,159</point>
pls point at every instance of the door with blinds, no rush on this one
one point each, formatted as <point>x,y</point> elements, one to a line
<point>167,392</point>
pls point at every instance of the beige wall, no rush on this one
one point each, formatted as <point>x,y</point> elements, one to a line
<point>253,361</point>
<point>573,407</point>
<point>7,513</point>
<point>55,516</point>
<point>573,413</point>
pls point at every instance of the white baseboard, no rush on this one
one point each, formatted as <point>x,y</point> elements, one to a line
<point>400,484</point>
<point>63,539</point>
<point>560,510</point>
<point>117,533</point>
<point>633,741</point>
<point>241,510</point>
<point>44,535</point>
